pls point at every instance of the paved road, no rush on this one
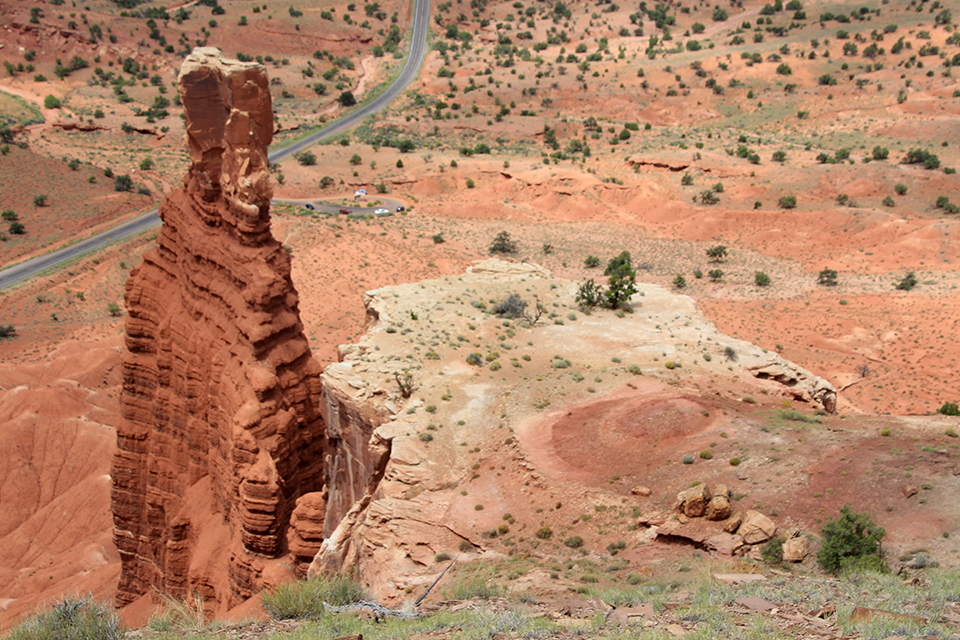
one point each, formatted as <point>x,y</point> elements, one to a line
<point>150,219</point>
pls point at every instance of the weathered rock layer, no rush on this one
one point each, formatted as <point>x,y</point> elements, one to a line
<point>222,429</point>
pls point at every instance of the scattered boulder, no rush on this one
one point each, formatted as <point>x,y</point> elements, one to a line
<point>909,490</point>
<point>693,501</point>
<point>641,490</point>
<point>733,523</point>
<point>795,549</point>
<point>756,528</point>
<point>718,508</point>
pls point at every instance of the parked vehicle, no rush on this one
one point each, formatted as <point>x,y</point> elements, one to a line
<point>401,208</point>
<point>345,212</point>
<point>309,206</point>
<point>382,212</point>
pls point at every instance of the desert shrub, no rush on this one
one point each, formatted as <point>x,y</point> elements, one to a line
<point>828,278</point>
<point>511,307</point>
<point>788,202</point>
<point>706,454</point>
<point>574,542</point>
<point>589,294</point>
<point>772,551</point>
<point>51,102</point>
<point>717,253</point>
<point>7,331</point>
<point>679,282</point>
<point>304,599</point>
<point>761,279</point>
<point>475,359</point>
<point>503,243</point>
<point>635,369</point>
<point>852,542</point>
<point>735,461</point>
<point>72,618</point>
<point>949,409</point>
<point>688,459</point>
<point>123,183</point>
<point>544,533</point>
<point>908,282</point>
<point>921,156</point>
<point>591,261</point>
<point>308,158</point>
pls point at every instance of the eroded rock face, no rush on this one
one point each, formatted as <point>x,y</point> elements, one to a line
<point>222,429</point>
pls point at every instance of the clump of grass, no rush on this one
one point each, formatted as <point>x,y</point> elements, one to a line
<point>304,599</point>
<point>797,416</point>
<point>478,582</point>
<point>73,618</point>
<point>180,614</point>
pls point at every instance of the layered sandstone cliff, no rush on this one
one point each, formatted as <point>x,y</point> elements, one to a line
<point>222,429</point>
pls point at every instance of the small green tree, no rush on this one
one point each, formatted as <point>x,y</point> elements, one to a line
<point>949,409</point>
<point>788,202</point>
<point>146,164</point>
<point>503,244</point>
<point>908,282</point>
<point>761,279</point>
<point>114,309</point>
<point>717,253</point>
<point>852,540</point>
<point>715,274</point>
<point>9,215</point>
<point>17,229</point>
<point>623,281</point>
<point>589,294</point>
<point>51,102</point>
<point>306,158</point>
<point>123,183</point>
<point>828,278</point>
<point>591,261</point>
<point>347,99</point>
<point>679,282</point>
<point>355,159</point>
<point>40,200</point>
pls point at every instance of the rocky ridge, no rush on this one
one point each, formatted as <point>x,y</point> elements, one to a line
<point>458,396</point>
<point>222,428</point>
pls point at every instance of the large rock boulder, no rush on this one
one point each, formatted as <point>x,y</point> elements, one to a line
<point>718,508</point>
<point>756,528</point>
<point>693,501</point>
<point>795,549</point>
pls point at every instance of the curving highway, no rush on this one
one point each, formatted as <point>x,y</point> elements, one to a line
<point>150,219</point>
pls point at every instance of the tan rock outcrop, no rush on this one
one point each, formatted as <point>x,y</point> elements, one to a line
<point>718,508</point>
<point>693,502</point>
<point>756,528</point>
<point>795,549</point>
<point>222,429</point>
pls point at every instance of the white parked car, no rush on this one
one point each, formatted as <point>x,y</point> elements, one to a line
<point>382,212</point>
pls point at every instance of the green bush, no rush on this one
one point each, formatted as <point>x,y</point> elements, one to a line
<point>304,599</point>
<point>851,543</point>
<point>909,282</point>
<point>503,244</point>
<point>772,551</point>
<point>574,542</point>
<point>761,279</point>
<point>949,409</point>
<point>71,619</point>
<point>544,533</point>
